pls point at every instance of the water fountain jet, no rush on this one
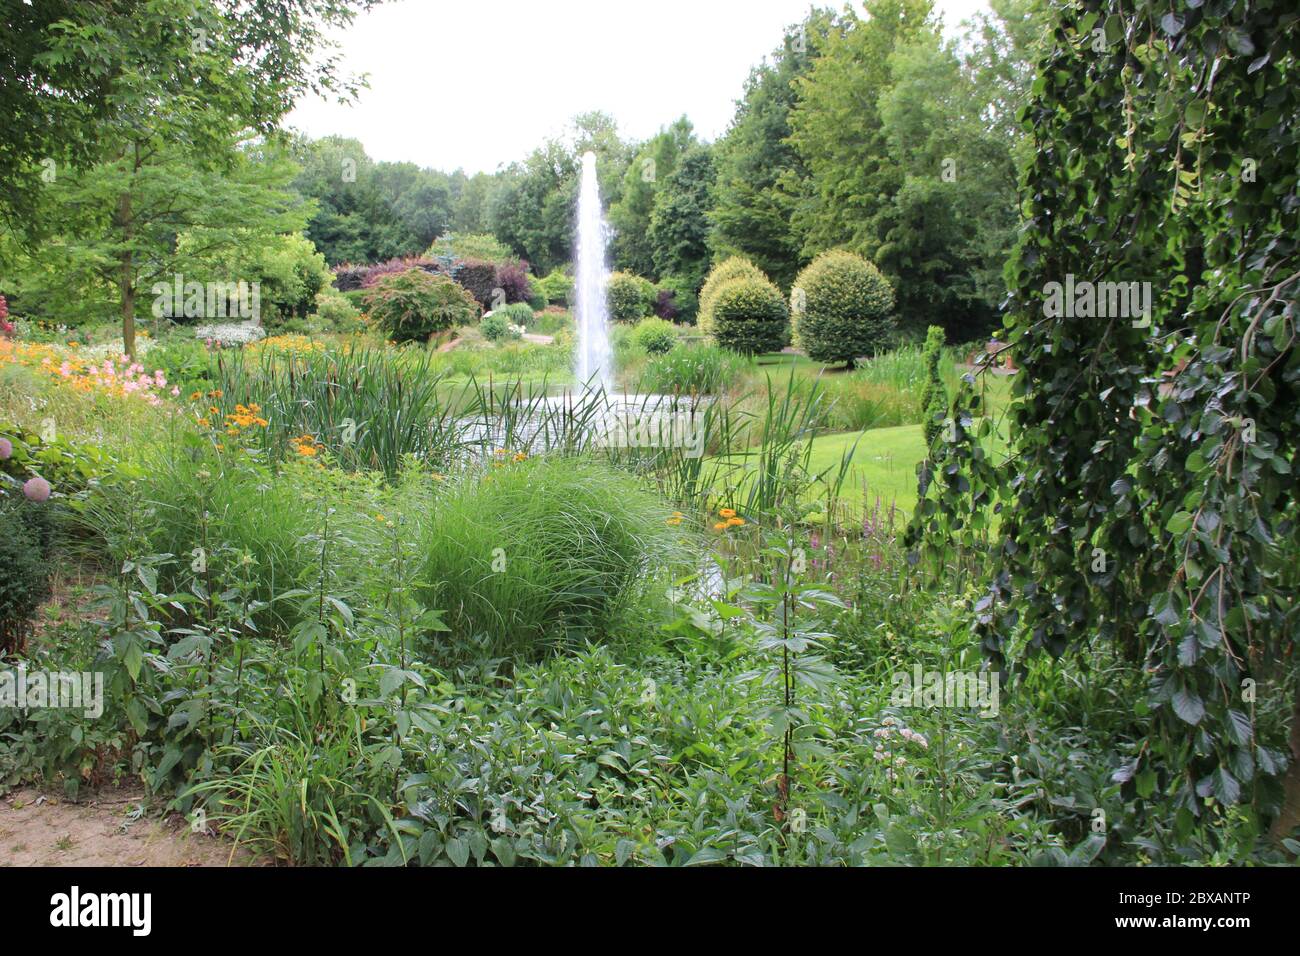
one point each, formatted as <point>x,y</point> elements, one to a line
<point>594,365</point>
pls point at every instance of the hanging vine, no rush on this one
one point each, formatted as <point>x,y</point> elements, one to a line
<point>1150,495</point>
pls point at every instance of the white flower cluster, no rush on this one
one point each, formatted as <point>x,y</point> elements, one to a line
<point>115,348</point>
<point>229,333</point>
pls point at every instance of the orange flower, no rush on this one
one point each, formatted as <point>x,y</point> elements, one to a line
<point>727,513</point>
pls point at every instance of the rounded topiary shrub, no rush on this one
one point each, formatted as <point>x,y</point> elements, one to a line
<point>750,316</point>
<point>655,336</point>
<point>411,306</point>
<point>737,267</point>
<point>842,308</point>
<point>24,556</point>
<point>630,297</point>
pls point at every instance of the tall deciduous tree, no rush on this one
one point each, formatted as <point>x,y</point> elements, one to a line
<point>679,226</point>
<point>77,71</point>
<point>630,216</point>
<point>115,227</point>
<point>836,125</point>
<point>760,175</point>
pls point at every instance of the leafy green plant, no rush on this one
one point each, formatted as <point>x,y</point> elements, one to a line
<point>337,313</point>
<point>630,297</point>
<point>411,306</point>
<point>497,326</point>
<point>557,287</point>
<point>655,336</point>
<point>25,539</point>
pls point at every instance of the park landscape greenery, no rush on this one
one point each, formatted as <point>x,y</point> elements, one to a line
<point>367,587</point>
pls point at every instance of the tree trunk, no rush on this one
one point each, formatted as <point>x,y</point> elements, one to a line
<point>1289,818</point>
<point>127,280</point>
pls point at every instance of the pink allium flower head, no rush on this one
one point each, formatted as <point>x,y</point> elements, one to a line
<point>6,449</point>
<point>37,489</point>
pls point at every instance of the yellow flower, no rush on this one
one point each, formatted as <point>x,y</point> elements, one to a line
<point>735,522</point>
<point>674,522</point>
<point>380,518</point>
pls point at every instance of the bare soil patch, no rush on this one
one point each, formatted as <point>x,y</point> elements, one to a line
<point>113,828</point>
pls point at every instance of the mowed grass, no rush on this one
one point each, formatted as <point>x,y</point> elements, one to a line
<point>883,467</point>
<point>882,470</point>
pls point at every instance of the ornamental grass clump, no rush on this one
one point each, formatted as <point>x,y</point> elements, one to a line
<point>536,554</point>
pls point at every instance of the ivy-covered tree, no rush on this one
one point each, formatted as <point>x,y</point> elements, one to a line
<point>1150,498</point>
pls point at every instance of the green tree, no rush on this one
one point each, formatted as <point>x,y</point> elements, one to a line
<point>759,172</point>
<point>653,162</point>
<point>679,226</point>
<point>750,316</point>
<point>355,219</point>
<point>116,226</point>
<point>836,126</point>
<point>78,73</point>
<point>470,199</point>
<point>842,308</point>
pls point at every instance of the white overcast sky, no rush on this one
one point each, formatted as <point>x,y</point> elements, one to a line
<point>480,83</point>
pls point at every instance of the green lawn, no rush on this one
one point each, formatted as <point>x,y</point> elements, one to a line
<point>884,463</point>
<point>883,466</point>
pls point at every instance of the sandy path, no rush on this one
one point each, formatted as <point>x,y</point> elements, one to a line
<point>41,830</point>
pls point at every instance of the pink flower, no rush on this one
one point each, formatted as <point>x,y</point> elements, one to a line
<point>37,489</point>
<point>6,449</point>
<point>175,391</point>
